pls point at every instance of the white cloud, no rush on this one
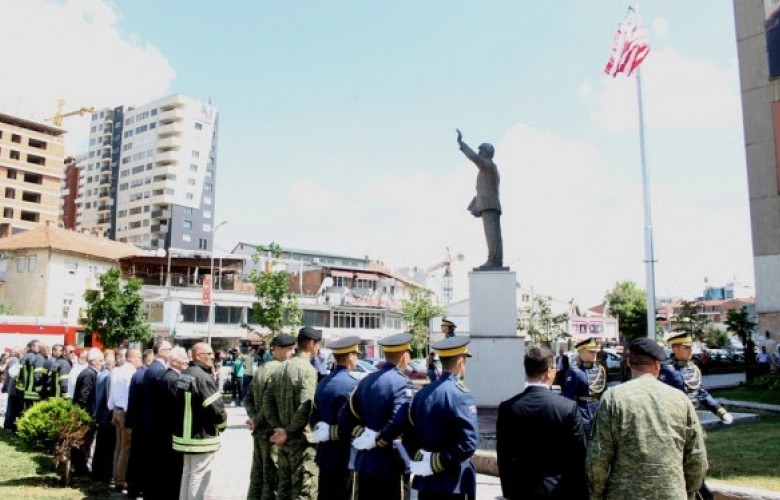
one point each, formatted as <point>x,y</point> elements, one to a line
<point>679,92</point>
<point>76,52</point>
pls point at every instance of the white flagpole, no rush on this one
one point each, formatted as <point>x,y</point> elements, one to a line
<point>649,255</point>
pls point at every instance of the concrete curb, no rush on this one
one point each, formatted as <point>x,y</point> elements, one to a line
<point>486,463</point>
<point>751,405</point>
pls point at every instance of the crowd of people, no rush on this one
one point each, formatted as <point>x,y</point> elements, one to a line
<point>159,414</point>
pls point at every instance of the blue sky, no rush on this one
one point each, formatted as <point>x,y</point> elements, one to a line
<point>337,126</point>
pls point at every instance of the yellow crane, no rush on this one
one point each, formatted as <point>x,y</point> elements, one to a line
<point>59,115</point>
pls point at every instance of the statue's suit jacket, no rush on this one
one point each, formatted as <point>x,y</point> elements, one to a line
<point>487,183</point>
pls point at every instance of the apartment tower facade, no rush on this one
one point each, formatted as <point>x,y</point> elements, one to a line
<point>150,174</point>
<point>32,165</point>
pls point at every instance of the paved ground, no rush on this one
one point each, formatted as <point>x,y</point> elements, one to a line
<point>230,479</point>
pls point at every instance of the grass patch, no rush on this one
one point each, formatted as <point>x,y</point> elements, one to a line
<point>748,393</point>
<point>746,455</point>
<point>29,473</point>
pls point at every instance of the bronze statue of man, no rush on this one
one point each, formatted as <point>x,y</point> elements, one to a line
<point>486,204</point>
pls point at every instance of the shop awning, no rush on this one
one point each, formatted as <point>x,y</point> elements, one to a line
<point>232,303</point>
<point>193,302</point>
<point>341,274</point>
<point>367,277</point>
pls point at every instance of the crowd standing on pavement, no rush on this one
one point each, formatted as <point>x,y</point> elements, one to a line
<point>319,431</point>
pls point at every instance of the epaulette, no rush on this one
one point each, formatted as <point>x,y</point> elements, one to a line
<point>460,385</point>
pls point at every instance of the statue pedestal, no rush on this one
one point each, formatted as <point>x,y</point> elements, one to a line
<point>495,372</point>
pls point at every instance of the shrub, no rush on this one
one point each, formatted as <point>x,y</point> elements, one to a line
<point>771,382</point>
<point>56,425</point>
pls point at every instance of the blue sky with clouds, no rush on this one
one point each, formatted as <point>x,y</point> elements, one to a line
<point>337,125</point>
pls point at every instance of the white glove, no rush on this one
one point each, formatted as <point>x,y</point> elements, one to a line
<point>727,418</point>
<point>422,467</point>
<point>321,432</point>
<point>365,441</point>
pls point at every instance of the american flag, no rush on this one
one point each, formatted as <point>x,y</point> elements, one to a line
<point>629,48</point>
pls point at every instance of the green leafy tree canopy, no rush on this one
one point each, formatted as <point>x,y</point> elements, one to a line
<point>276,306</point>
<point>541,325</point>
<point>690,320</point>
<point>115,311</point>
<point>738,323</point>
<point>418,311</point>
<point>629,304</point>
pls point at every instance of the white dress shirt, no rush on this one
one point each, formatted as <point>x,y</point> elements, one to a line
<point>73,375</point>
<point>120,386</point>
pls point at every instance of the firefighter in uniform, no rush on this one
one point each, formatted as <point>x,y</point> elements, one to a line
<point>682,374</point>
<point>262,479</point>
<point>32,375</point>
<point>377,415</point>
<point>332,393</point>
<point>57,379</point>
<point>201,417</point>
<point>444,430</point>
<point>586,382</point>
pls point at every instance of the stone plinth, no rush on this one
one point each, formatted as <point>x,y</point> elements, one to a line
<point>495,371</point>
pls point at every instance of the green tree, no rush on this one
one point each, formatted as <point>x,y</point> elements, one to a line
<point>276,306</point>
<point>418,311</point>
<point>6,309</point>
<point>690,320</point>
<point>629,304</point>
<point>541,324</point>
<point>115,311</point>
<point>715,338</point>
<point>738,323</point>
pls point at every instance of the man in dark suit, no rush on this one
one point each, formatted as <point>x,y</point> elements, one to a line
<point>539,438</point>
<point>151,417</point>
<point>84,396</point>
<point>486,204</point>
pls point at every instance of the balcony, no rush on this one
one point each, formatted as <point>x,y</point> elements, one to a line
<point>167,158</point>
<point>168,144</point>
<point>161,214</point>
<point>159,228</point>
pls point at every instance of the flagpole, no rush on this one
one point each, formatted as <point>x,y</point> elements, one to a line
<point>649,255</point>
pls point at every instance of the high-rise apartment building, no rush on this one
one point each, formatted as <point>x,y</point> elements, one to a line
<point>32,162</point>
<point>150,174</point>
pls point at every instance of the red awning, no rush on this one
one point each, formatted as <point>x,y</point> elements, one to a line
<point>341,274</point>
<point>367,277</point>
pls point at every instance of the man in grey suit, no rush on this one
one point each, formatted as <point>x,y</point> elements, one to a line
<point>486,203</point>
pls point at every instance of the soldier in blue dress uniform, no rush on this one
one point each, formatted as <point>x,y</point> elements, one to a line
<point>681,373</point>
<point>444,431</point>
<point>331,396</point>
<point>376,415</point>
<point>586,382</point>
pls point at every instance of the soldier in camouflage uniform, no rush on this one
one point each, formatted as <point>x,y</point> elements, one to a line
<point>262,482</point>
<point>647,442</point>
<point>288,404</point>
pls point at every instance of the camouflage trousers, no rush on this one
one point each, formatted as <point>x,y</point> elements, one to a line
<point>262,479</point>
<point>297,472</point>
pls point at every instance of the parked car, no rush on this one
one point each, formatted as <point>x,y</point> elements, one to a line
<point>362,369</point>
<point>614,361</point>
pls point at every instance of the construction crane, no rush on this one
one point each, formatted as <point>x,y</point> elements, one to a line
<point>59,115</point>
<point>446,280</point>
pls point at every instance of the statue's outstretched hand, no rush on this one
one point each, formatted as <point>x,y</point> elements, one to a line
<point>460,135</point>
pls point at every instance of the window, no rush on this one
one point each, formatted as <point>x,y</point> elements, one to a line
<point>14,155</point>
<point>186,238</point>
<point>138,169</point>
<point>30,216</point>
<point>11,173</point>
<point>189,210</point>
<point>206,228</point>
<point>193,167</point>
<point>195,154</point>
<point>153,112</point>
<point>316,318</point>
<point>31,197</point>
<point>71,266</point>
<point>194,314</point>
<point>207,214</point>
<point>32,263</point>
<point>16,138</point>
<point>128,133</point>
<point>123,186</point>
<point>198,126</point>
<point>33,178</point>
<point>21,264</point>
<point>36,160</point>
<point>203,244</point>
<point>207,200</point>
<point>8,213</point>
<point>152,125</point>
<point>340,281</point>
<point>191,182</point>
<point>127,147</point>
<point>187,224</point>
<point>190,196</point>
<point>36,143</point>
<point>208,187</point>
<point>10,193</point>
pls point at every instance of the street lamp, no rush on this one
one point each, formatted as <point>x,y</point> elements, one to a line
<point>211,286</point>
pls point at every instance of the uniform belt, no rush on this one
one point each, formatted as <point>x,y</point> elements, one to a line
<point>588,399</point>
